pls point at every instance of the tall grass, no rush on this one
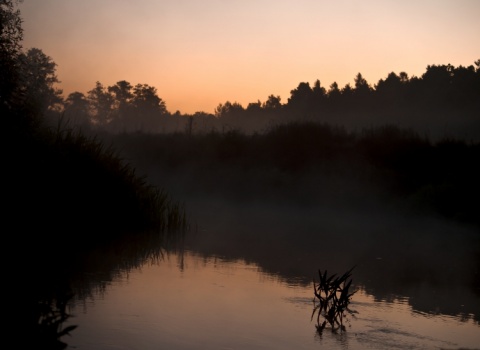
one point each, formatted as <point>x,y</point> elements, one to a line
<point>70,182</point>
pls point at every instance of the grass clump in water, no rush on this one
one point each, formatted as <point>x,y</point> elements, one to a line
<point>332,297</point>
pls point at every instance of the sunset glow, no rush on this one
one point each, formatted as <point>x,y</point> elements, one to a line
<point>202,53</point>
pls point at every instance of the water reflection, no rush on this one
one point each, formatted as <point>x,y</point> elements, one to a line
<point>190,301</point>
<point>245,281</point>
<point>52,277</point>
<point>432,263</point>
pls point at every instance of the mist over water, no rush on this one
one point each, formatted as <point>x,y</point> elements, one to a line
<point>287,205</point>
<point>291,226</point>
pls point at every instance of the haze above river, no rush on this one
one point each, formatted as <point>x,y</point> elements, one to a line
<point>242,279</point>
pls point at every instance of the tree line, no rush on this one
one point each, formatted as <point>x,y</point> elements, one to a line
<point>443,98</point>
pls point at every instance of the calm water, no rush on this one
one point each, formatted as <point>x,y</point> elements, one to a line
<point>192,302</point>
<point>244,281</point>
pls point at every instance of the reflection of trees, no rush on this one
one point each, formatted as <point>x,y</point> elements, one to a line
<point>475,281</point>
<point>58,278</point>
<point>433,281</point>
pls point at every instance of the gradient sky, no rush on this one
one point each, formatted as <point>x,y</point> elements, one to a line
<point>199,53</point>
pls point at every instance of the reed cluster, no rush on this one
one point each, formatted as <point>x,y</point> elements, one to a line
<point>332,297</point>
<point>50,317</point>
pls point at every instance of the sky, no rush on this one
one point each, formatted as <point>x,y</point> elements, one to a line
<point>200,53</point>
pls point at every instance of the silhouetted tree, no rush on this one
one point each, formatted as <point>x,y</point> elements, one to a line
<point>38,81</point>
<point>101,103</point>
<point>333,91</point>
<point>319,96</point>
<point>254,107</point>
<point>122,94</point>
<point>148,108</point>
<point>403,77</point>
<point>347,91</point>
<point>361,85</point>
<point>391,84</point>
<point>77,109</point>
<point>11,36</point>
<point>204,122</point>
<point>439,94</point>
<point>272,103</point>
<point>301,100</point>
<point>389,94</point>
<point>465,88</point>
<point>333,96</point>
<point>145,98</point>
<point>301,95</point>
<point>362,93</point>
<point>228,109</point>
<point>230,115</point>
<point>436,85</point>
<point>319,91</point>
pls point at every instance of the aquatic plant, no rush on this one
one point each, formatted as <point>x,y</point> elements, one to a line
<point>332,297</point>
<point>48,329</point>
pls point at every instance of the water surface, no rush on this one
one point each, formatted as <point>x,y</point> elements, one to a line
<point>242,279</point>
<point>188,301</point>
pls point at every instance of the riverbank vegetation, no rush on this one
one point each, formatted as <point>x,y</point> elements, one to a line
<point>310,162</point>
<point>57,177</point>
<point>67,198</point>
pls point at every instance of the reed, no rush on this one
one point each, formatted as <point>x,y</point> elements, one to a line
<point>82,169</point>
<point>50,316</point>
<point>332,297</point>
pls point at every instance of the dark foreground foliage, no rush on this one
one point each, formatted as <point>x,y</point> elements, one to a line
<point>64,181</point>
<point>66,200</point>
<point>71,208</point>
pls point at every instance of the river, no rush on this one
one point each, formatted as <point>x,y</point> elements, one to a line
<point>243,279</point>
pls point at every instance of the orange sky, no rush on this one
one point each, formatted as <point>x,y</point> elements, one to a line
<point>199,53</point>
